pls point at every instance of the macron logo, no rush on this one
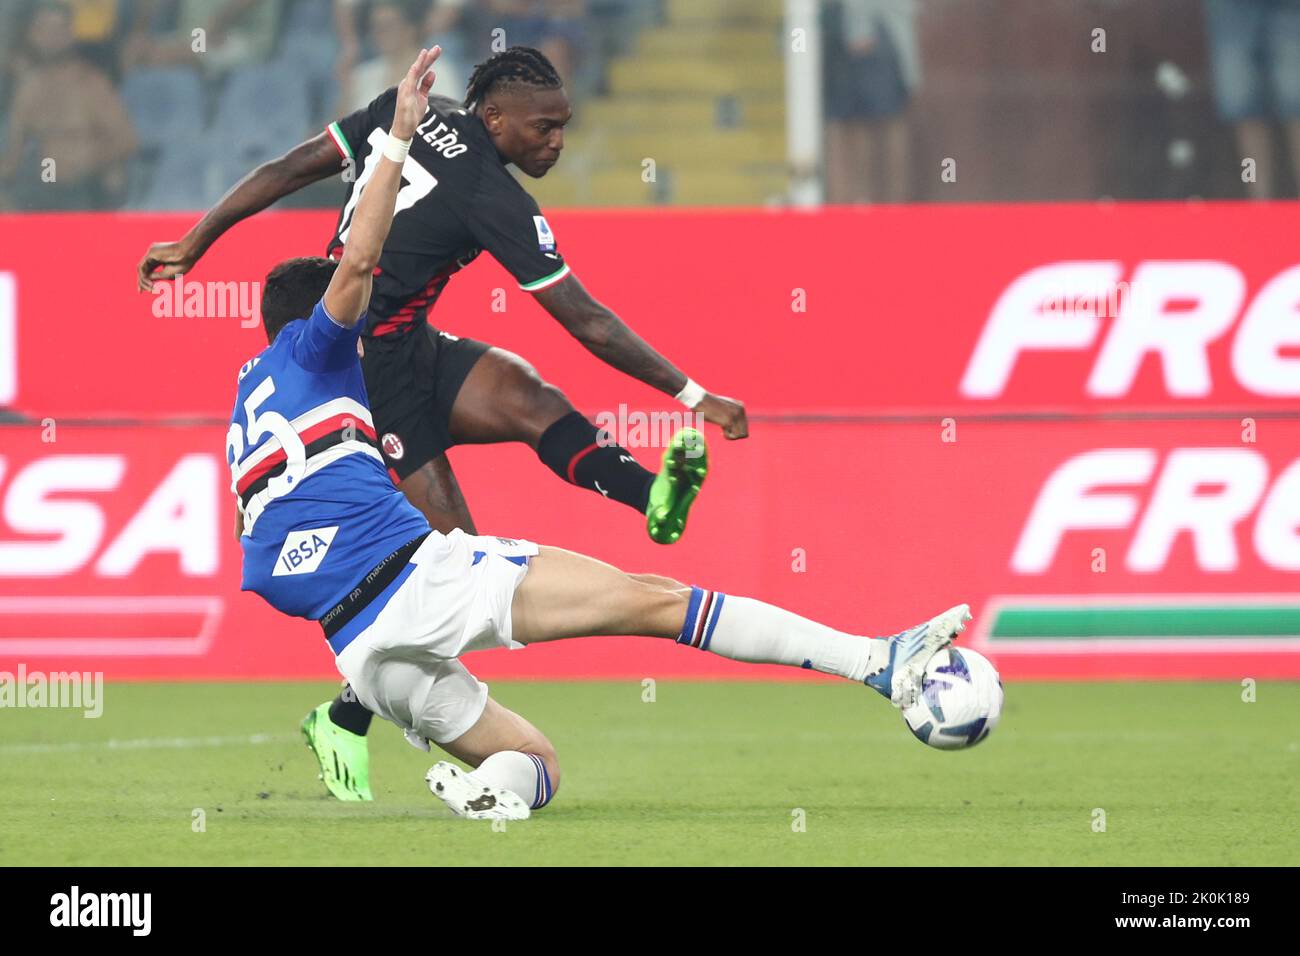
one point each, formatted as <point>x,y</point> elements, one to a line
<point>303,551</point>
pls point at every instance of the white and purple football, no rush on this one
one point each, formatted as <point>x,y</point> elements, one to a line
<point>960,700</point>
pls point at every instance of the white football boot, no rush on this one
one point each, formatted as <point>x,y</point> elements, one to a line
<point>910,651</point>
<point>471,798</point>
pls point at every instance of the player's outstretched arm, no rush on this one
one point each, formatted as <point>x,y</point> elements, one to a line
<point>303,165</point>
<point>348,294</point>
<point>609,338</point>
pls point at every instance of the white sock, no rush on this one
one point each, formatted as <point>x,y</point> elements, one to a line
<point>747,630</point>
<point>522,774</point>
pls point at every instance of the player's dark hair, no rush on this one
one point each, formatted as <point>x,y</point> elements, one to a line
<point>292,290</point>
<point>518,65</point>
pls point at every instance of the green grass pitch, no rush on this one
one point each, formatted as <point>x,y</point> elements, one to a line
<point>706,774</point>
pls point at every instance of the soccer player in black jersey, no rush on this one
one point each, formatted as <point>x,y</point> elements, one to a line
<point>430,390</point>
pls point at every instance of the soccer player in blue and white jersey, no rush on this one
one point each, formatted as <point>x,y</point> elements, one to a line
<point>326,536</point>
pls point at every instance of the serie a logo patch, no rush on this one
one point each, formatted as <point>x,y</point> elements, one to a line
<point>545,238</point>
<point>303,551</point>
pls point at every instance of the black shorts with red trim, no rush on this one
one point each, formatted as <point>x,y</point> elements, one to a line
<point>412,380</point>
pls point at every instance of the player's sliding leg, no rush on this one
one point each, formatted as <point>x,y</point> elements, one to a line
<point>436,700</point>
<point>511,759</point>
<point>504,399</point>
<point>336,731</point>
<point>570,595</point>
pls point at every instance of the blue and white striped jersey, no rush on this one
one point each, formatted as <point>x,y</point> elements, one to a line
<point>320,510</point>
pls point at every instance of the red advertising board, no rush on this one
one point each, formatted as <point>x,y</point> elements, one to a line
<point>1094,549</point>
<point>1082,420</point>
<point>959,309</point>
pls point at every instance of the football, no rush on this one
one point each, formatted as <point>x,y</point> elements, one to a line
<point>960,700</point>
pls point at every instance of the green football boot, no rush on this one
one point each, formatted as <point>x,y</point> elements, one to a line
<point>343,756</point>
<point>686,462</point>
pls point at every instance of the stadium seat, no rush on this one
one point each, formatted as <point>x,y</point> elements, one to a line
<point>310,48</point>
<point>164,104</point>
<point>262,113</point>
<point>184,177</point>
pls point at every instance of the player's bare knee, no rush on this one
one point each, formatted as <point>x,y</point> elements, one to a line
<point>546,406</point>
<point>533,404</point>
<point>659,580</point>
<point>656,606</point>
<point>538,398</point>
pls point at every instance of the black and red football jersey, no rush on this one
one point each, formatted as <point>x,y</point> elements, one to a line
<point>457,198</point>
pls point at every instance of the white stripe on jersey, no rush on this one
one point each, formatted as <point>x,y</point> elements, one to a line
<point>257,504</point>
<point>314,416</point>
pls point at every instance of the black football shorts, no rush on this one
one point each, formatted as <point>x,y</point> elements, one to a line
<point>412,381</point>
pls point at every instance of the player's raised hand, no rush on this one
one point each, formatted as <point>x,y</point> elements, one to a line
<point>413,94</point>
<point>164,260</point>
<point>727,413</point>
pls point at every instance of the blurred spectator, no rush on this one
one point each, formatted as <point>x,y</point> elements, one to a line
<point>555,27</point>
<point>96,29</point>
<point>871,67</point>
<point>395,31</point>
<point>12,19</point>
<point>96,25</point>
<point>1255,62</point>
<point>308,46</point>
<point>94,21</point>
<point>446,24</point>
<point>235,33</point>
<point>69,134</point>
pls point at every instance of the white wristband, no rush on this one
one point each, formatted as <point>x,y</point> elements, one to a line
<point>691,394</point>
<point>396,149</point>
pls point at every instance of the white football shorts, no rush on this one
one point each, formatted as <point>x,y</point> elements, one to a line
<point>455,599</point>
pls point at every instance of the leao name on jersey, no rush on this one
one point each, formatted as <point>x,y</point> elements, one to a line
<point>442,137</point>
